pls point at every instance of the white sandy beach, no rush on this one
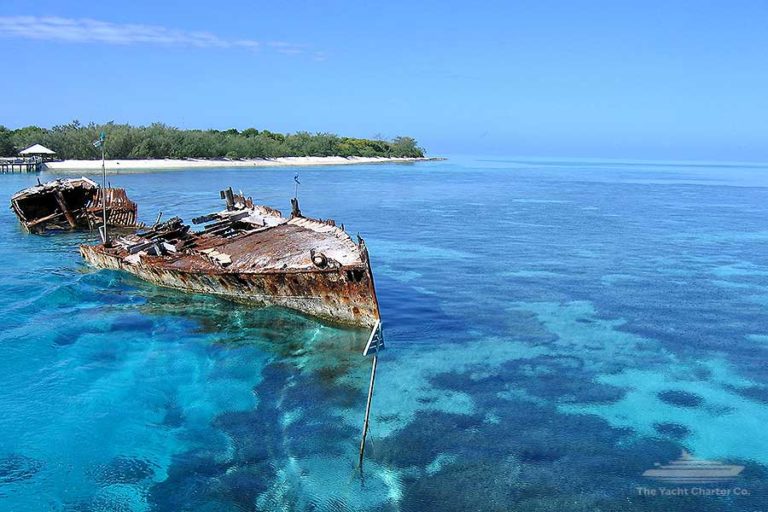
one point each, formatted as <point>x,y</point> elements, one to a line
<point>117,165</point>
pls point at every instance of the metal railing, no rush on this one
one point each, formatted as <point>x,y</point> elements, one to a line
<point>21,164</point>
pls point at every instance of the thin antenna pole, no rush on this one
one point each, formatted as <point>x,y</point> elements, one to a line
<point>104,189</point>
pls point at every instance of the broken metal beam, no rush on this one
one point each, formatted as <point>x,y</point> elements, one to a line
<point>64,208</point>
<point>205,218</point>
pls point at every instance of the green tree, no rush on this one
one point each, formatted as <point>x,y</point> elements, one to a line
<point>75,141</point>
<point>6,142</point>
<point>406,147</point>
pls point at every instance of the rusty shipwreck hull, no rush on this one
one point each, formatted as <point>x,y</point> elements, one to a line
<point>260,258</point>
<point>72,204</point>
<point>333,295</point>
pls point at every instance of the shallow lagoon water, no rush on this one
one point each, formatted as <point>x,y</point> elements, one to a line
<point>554,329</point>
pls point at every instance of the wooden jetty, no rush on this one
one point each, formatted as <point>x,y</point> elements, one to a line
<point>30,159</point>
<point>21,164</point>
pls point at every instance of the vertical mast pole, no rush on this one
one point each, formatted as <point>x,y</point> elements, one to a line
<point>104,188</point>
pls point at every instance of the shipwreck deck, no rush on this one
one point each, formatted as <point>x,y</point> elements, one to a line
<point>254,255</point>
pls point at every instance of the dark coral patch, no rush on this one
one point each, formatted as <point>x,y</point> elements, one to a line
<point>14,468</point>
<point>174,415</point>
<point>64,339</point>
<point>124,470</point>
<point>680,398</point>
<point>258,442</point>
<point>671,430</point>
<point>552,378</point>
<point>132,322</point>
<point>756,393</point>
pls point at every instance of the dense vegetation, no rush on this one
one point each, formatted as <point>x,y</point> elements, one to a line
<point>74,141</point>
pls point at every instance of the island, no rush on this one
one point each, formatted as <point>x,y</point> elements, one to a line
<point>161,146</point>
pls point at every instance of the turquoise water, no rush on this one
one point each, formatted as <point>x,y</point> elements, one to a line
<point>554,329</point>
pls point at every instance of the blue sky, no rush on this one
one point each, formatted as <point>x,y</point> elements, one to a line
<point>616,79</point>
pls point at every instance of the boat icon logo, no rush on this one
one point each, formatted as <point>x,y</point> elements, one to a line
<point>690,470</point>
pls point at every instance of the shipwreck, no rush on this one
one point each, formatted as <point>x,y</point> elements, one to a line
<point>69,204</point>
<point>253,254</point>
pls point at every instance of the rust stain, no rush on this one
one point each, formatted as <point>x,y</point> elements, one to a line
<point>252,254</point>
<point>72,204</point>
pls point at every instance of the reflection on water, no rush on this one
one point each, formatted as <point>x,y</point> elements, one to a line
<point>554,329</point>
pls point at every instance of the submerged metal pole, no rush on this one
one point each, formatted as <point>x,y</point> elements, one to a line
<point>374,345</point>
<point>368,409</point>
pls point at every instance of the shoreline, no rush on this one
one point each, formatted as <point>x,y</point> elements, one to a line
<point>201,163</point>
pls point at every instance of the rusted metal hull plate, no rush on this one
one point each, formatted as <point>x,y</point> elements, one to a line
<point>344,295</point>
